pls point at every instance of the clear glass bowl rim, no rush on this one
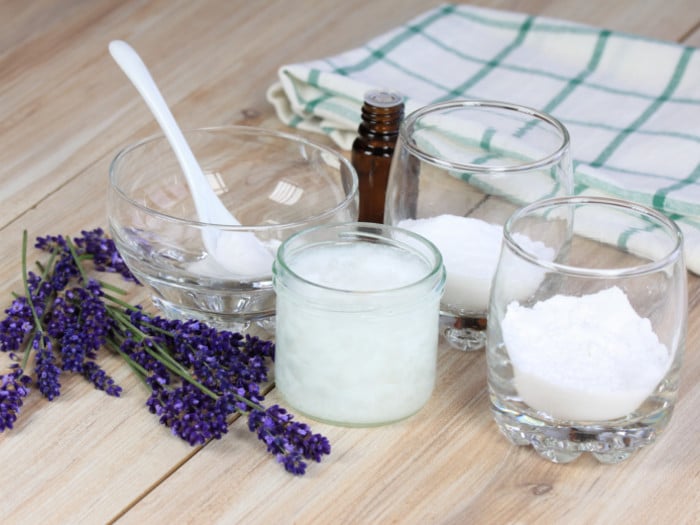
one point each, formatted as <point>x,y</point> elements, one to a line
<point>439,107</point>
<point>244,130</point>
<point>368,230</point>
<point>675,253</point>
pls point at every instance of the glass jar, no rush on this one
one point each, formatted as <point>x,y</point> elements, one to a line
<point>357,322</point>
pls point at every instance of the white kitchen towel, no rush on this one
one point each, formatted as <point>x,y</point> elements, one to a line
<point>631,104</point>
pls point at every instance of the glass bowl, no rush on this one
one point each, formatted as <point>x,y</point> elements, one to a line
<point>275,184</point>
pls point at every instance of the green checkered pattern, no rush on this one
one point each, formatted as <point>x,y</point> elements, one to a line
<point>631,104</point>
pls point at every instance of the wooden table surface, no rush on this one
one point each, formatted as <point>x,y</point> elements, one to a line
<point>65,110</point>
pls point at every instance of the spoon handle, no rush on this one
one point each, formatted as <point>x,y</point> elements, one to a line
<point>134,68</point>
<point>240,253</point>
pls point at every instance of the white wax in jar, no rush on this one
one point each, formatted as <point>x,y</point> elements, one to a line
<point>589,358</point>
<point>355,357</point>
<point>470,250</point>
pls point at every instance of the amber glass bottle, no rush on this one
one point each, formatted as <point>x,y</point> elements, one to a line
<point>373,148</point>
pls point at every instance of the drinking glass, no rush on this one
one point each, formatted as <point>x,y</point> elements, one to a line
<point>587,325</point>
<point>460,169</point>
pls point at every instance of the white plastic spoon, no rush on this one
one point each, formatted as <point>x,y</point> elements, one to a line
<point>240,253</point>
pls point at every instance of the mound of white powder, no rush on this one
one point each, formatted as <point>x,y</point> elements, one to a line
<point>583,358</point>
<point>470,250</point>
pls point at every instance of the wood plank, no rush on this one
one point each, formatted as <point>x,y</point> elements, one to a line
<point>693,38</point>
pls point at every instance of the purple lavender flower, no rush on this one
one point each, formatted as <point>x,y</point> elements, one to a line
<point>62,318</point>
<point>80,322</point>
<point>72,348</point>
<point>157,374</point>
<point>64,271</point>
<point>51,243</point>
<point>47,372</point>
<point>232,367</point>
<point>41,292</point>
<point>105,256</point>
<point>14,387</point>
<point>189,413</point>
<point>16,326</point>
<point>199,376</point>
<point>289,441</point>
<point>98,377</point>
<point>221,361</point>
<point>96,322</point>
<point>102,249</point>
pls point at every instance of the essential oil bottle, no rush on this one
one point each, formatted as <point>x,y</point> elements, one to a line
<point>373,148</point>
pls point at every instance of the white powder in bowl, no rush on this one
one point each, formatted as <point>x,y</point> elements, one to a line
<point>587,358</point>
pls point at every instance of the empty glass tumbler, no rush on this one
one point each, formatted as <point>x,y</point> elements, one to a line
<point>460,169</point>
<point>587,326</point>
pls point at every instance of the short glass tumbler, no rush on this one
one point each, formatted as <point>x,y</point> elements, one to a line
<point>357,322</point>
<point>273,183</point>
<point>587,327</point>
<point>460,169</point>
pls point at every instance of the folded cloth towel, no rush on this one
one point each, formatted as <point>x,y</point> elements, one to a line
<point>631,104</point>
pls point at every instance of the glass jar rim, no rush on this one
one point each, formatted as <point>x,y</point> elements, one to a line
<point>440,107</point>
<point>660,219</point>
<point>365,232</point>
<point>350,195</point>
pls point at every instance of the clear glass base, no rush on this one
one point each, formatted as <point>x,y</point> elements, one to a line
<point>464,333</point>
<point>564,443</point>
<point>231,322</point>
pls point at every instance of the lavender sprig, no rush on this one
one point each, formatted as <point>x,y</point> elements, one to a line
<point>13,390</point>
<point>221,373</point>
<point>199,377</point>
<point>288,440</point>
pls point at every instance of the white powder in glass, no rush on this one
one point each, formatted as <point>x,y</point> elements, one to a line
<point>470,250</point>
<point>583,358</point>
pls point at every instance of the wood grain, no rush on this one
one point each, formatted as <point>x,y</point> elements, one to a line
<point>66,109</point>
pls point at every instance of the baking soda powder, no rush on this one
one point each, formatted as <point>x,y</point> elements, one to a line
<point>583,358</point>
<point>470,250</point>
